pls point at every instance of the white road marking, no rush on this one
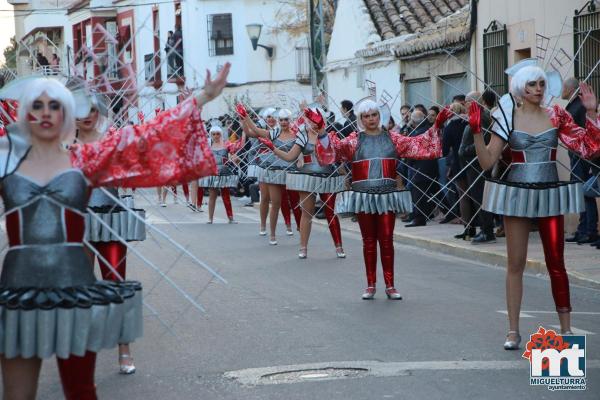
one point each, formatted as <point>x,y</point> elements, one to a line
<point>572,312</point>
<point>264,376</point>
<point>523,314</point>
<point>576,331</point>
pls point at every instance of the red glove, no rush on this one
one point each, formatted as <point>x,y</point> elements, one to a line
<point>157,111</point>
<point>475,118</point>
<point>140,116</point>
<point>442,117</point>
<point>241,111</point>
<point>315,117</point>
<point>267,143</point>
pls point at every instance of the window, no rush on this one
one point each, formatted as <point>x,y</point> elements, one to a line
<point>111,50</point>
<point>495,57</point>
<point>587,51</point>
<point>303,64</point>
<point>451,85</point>
<point>418,91</point>
<point>220,35</point>
<point>149,67</point>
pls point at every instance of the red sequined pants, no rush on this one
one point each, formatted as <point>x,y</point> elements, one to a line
<point>378,228</point>
<point>77,376</point>
<point>552,234</point>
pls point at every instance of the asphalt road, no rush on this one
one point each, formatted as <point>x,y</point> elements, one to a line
<point>278,313</point>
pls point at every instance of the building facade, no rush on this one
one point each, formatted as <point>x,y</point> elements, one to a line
<point>151,70</point>
<point>399,52</point>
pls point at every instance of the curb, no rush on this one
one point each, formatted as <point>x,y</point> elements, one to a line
<point>488,257</point>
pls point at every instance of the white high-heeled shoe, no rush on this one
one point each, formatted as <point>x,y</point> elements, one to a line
<point>392,293</point>
<point>339,252</point>
<point>369,293</point>
<point>303,253</point>
<point>126,369</point>
<point>512,344</point>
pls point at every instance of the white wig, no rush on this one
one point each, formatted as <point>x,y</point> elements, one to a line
<point>366,106</point>
<point>284,113</point>
<point>56,91</point>
<point>268,112</point>
<point>525,75</point>
<point>214,129</point>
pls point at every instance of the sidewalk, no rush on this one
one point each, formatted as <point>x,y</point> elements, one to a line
<point>583,262</point>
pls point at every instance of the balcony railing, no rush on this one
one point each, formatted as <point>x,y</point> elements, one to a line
<point>48,70</point>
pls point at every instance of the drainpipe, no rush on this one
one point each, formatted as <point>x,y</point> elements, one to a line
<point>473,48</point>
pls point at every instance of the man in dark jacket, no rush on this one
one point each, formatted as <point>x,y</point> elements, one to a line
<point>423,175</point>
<point>475,178</point>
<point>587,230</point>
<point>350,126</point>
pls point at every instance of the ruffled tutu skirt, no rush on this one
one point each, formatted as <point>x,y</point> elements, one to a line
<point>219,181</point>
<point>533,200</point>
<point>39,322</point>
<point>107,223</point>
<point>273,176</point>
<point>314,183</point>
<point>253,171</point>
<point>349,202</point>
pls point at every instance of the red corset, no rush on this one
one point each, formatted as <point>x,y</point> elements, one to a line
<point>361,169</point>
<point>518,156</point>
<point>74,228</point>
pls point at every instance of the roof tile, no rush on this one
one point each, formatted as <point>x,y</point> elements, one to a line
<point>394,18</point>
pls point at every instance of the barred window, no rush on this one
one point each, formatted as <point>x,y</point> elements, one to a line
<point>586,32</point>
<point>495,57</point>
<point>220,35</point>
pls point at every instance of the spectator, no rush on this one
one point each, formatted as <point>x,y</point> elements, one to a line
<point>420,107</point>
<point>178,42</point>
<point>347,108</point>
<point>42,61</point>
<point>459,98</point>
<point>170,52</point>
<point>432,114</point>
<point>451,137</point>
<point>55,63</point>
<point>467,206</point>
<point>404,119</point>
<point>587,230</point>
<point>475,177</point>
<point>391,125</point>
<point>423,176</point>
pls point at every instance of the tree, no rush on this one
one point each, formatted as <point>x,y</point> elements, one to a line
<point>293,15</point>
<point>10,54</point>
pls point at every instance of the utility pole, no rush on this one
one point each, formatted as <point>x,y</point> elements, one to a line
<point>317,46</point>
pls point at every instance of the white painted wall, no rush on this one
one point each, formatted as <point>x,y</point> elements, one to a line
<point>551,18</point>
<point>353,30</point>
<point>252,72</point>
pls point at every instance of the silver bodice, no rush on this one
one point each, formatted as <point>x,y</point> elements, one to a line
<point>310,163</point>
<point>374,163</point>
<point>534,157</point>
<point>284,145</point>
<point>221,157</point>
<point>45,226</point>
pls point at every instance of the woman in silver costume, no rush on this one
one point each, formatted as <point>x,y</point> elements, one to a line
<point>531,189</point>
<point>374,198</point>
<point>105,238</point>
<point>312,179</point>
<point>50,301</point>
<point>227,176</point>
<point>273,173</point>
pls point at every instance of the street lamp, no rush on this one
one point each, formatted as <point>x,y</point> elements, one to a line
<point>254,34</point>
